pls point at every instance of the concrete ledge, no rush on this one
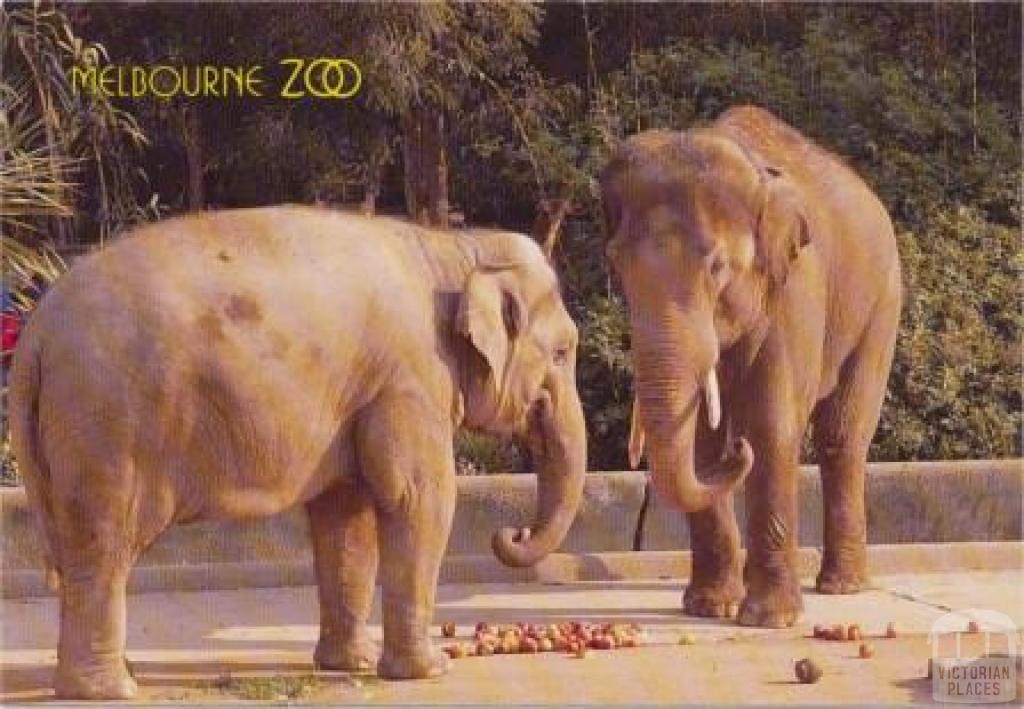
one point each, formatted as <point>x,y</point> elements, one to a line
<point>958,501</point>
<point>606,520</point>
<point>557,568</point>
<point>948,501</point>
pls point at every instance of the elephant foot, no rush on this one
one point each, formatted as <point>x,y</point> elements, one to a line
<point>413,665</point>
<point>353,656</point>
<point>716,599</point>
<point>842,580</point>
<point>99,683</point>
<point>775,605</point>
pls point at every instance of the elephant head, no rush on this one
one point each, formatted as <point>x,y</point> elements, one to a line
<point>702,236</point>
<point>521,381</point>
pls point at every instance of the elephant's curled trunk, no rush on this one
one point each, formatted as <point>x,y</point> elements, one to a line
<point>670,414</point>
<point>561,452</point>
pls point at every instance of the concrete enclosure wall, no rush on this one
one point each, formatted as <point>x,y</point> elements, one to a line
<point>907,502</point>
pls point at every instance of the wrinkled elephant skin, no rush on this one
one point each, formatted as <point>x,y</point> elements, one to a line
<point>234,364</point>
<point>763,286</point>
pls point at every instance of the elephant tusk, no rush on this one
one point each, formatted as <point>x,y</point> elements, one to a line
<point>636,436</point>
<point>524,535</point>
<point>711,401</point>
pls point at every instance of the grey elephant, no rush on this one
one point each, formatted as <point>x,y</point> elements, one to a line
<point>233,364</point>
<point>764,295</point>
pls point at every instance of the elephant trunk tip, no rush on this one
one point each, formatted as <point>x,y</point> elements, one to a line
<point>739,461</point>
<point>517,547</point>
<point>725,476</point>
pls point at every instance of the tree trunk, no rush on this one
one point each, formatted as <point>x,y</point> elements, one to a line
<point>376,157</point>
<point>548,224</point>
<point>426,166</point>
<point>974,84</point>
<point>411,164</point>
<point>192,139</point>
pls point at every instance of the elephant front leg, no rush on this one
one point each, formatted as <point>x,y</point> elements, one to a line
<point>343,526</point>
<point>773,597</point>
<point>716,585</point>
<point>413,537</point>
<point>409,464</point>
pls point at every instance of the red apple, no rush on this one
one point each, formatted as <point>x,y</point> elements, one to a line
<point>807,671</point>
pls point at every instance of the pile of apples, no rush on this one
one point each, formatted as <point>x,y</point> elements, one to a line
<point>524,638</point>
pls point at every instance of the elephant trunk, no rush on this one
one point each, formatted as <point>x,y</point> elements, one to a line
<point>669,392</point>
<point>559,445</point>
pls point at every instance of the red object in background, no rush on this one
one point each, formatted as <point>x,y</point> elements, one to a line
<point>10,326</point>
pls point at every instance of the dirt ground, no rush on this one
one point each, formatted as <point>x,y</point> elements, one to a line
<point>249,645</point>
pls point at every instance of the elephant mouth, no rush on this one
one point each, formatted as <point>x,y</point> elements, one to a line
<point>538,418</point>
<point>723,444</point>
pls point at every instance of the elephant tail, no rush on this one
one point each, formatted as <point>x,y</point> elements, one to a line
<point>25,385</point>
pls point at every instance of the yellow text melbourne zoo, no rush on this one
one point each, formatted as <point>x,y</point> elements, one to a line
<point>319,78</point>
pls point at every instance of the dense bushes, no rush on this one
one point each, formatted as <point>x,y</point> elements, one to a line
<point>946,163</point>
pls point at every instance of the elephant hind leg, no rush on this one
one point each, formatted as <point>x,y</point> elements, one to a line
<point>106,513</point>
<point>91,660</point>
<point>343,525</point>
<point>96,553</point>
<point>844,424</point>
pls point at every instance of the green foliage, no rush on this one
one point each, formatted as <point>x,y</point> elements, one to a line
<point>271,688</point>
<point>480,454</point>
<point>922,100</point>
<point>67,159</point>
<point>946,163</point>
<point>955,387</point>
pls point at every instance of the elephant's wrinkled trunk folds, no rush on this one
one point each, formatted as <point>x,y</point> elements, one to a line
<point>669,402</point>
<point>560,449</point>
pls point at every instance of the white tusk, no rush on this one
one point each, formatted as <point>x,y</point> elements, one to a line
<point>711,400</point>
<point>636,436</point>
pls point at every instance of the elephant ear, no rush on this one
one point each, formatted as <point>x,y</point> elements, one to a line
<point>782,229</point>
<point>491,316</point>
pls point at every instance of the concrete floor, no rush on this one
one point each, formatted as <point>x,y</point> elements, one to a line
<point>181,643</point>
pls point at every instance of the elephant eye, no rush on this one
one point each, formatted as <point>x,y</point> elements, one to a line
<point>719,268</point>
<point>561,356</point>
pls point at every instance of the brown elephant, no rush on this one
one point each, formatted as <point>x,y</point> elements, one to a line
<point>234,364</point>
<point>761,272</point>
